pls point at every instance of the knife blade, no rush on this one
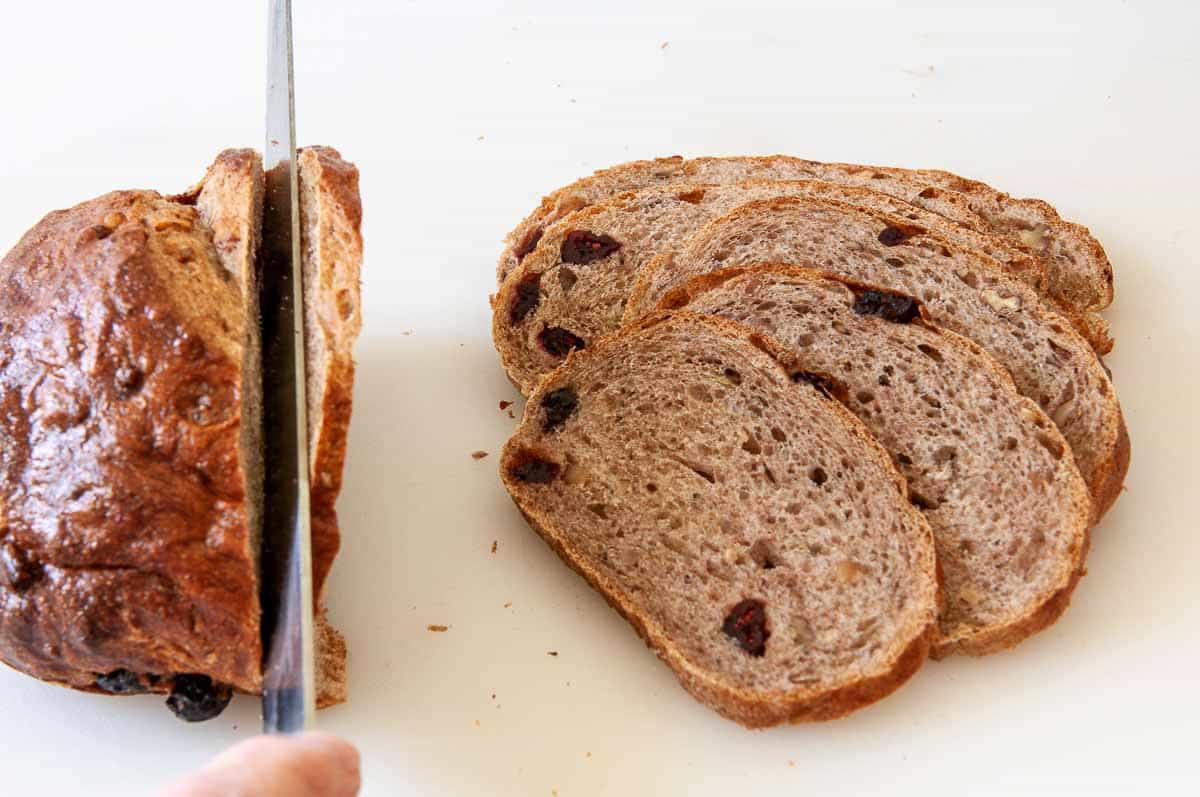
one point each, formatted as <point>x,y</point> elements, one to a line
<point>285,584</point>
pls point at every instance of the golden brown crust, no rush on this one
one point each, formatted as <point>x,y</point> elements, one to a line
<point>748,708</point>
<point>124,541</point>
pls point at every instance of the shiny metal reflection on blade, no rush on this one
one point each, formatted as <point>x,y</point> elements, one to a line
<point>286,573</point>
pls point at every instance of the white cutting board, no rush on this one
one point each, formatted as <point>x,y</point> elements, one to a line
<point>460,120</point>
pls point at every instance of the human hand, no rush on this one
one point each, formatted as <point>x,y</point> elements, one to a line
<point>309,765</point>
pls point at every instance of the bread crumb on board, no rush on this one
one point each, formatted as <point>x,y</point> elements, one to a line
<point>508,605</point>
<point>478,454</point>
<point>505,405</point>
<point>495,545</point>
<point>552,653</point>
<point>438,628</point>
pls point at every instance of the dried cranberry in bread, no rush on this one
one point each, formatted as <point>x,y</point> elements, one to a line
<point>1049,361</point>
<point>1008,508</point>
<point>1080,274</point>
<point>746,524</point>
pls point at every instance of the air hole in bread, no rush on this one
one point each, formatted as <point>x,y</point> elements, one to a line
<point>818,475</point>
<point>778,435</point>
<point>930,352</point>
<point>599,510</point>
<point>864,396</point>
<point>566,279</point>
<point>764,554</point>
<point>733,376</point>
<point>751,445</point>
<point>702,471</point>
<point>921,501</point>
<point>559,342</point>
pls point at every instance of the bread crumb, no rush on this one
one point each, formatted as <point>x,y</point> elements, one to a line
<point>664,45</point>
<point>407,332</point>
<point>510,414</point>
<point>476,723</point>
<point>551,652</point>
<point>505,405</point>
<point>495,545</point>
<point>791,763</point>
<point>493,695</point>
<point>438,628</point>
<point>479,139</point>
<point>508,605</point>
<point>587,754</point>
<point>478,454</point>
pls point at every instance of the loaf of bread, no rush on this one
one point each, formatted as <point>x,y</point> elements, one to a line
<point>130,339</point>
<point>746,524</point>
<point>1009,510</point>
<point>1078,269</point>
<point>962,291</point>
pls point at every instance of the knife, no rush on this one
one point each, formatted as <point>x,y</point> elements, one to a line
<point>285,583</point>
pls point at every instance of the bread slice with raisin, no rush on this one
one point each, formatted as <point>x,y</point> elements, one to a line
<point>573,287</point>
<point>1009,510</point>
<point>746,524</point>
<point>229,200</point>
<point>1080,274</point>
<point>1049,361</point>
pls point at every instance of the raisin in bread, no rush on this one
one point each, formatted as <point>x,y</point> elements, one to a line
<point>1008,508</point>
<point>1049,361</point>
<point>746,524</point>
<point>1080,273</point>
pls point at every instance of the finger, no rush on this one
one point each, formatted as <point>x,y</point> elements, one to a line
<point>311,765</point>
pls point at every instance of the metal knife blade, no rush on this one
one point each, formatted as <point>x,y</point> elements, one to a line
<point>289,701</point>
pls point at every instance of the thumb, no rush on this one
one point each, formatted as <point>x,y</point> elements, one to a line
<point>309,765</point>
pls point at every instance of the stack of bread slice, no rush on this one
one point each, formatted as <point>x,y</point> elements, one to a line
<point>806,424</point>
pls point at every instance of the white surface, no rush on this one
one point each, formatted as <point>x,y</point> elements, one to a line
<point>460,120</point>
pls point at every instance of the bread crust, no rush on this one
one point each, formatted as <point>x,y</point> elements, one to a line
<point>123,527</point>
<point>746,707</point>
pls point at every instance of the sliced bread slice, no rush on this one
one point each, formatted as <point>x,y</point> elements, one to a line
<point>331,251</point>
<point>1079,271</point>
<point>573,287</point>
<point>1049,361</point>
<point>747,525</point>
<point>229,200</point>
<point>1008,508</point>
